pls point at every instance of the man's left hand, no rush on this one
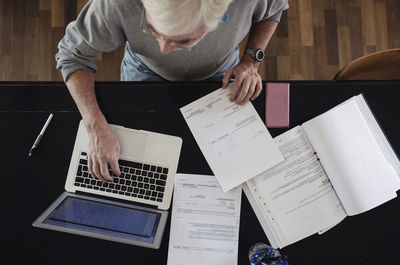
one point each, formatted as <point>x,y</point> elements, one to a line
<point>247,83</point>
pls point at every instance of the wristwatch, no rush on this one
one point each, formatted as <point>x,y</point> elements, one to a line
<point>257,54</point>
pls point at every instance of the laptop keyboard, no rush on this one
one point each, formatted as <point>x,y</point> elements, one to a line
<point>138,180</point>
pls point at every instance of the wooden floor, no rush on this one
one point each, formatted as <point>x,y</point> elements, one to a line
<point>313,41</point>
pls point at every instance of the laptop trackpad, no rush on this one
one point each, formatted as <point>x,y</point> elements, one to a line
<point>132,143</point>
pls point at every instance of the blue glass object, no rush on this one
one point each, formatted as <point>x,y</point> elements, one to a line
<point>263,254</point>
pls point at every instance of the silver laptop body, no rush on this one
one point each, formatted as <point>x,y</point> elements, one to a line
<point>148,162</point>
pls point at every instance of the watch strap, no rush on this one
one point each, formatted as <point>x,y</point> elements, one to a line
<point>252,52</point>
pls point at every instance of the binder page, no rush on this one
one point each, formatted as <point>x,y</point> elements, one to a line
<point>261,213</point>
<point>380,138</point>
<point>232,137</point>
<point>204,222</point>
<point>352,159</point>
<point>298,197</point>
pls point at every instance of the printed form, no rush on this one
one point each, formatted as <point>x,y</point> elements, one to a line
<point>232,137</point>
<point>204,222</point>
<point>297,193</point>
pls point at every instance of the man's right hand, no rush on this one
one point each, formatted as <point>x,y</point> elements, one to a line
<point>103,145</point>
<point>103,151</point>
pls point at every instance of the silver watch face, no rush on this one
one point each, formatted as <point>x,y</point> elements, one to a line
<point>259,56</point>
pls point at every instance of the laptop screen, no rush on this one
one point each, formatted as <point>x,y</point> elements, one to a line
<point>106,219</point>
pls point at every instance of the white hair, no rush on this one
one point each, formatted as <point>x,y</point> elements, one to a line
<point>180,17</point>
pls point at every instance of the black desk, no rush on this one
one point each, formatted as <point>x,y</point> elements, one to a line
<point>29,185</point>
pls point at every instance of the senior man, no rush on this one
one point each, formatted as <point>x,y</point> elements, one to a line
<point>165,40</point>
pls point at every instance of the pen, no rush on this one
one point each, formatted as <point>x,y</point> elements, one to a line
<point>37,141</point>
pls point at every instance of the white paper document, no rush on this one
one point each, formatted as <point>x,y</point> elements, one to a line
<point>232,137</point>
<point>358,169</point>
<point>337,164</point>
<point>297,193</point>
<point>204,222</point>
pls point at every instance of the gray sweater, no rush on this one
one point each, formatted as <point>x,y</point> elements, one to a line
<point>104,25</point>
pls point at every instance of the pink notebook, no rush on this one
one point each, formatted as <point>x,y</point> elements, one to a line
<point>277,105</point>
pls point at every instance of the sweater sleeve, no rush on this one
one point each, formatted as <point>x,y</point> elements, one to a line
<point>269,9</point>
<point>97,29</point>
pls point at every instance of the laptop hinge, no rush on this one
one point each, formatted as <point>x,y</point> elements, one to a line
<point>115,199</point>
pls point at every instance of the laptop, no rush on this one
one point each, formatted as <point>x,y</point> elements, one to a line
<point>133,208</point>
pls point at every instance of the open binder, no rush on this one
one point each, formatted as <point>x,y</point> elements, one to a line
<point>336,165</point>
